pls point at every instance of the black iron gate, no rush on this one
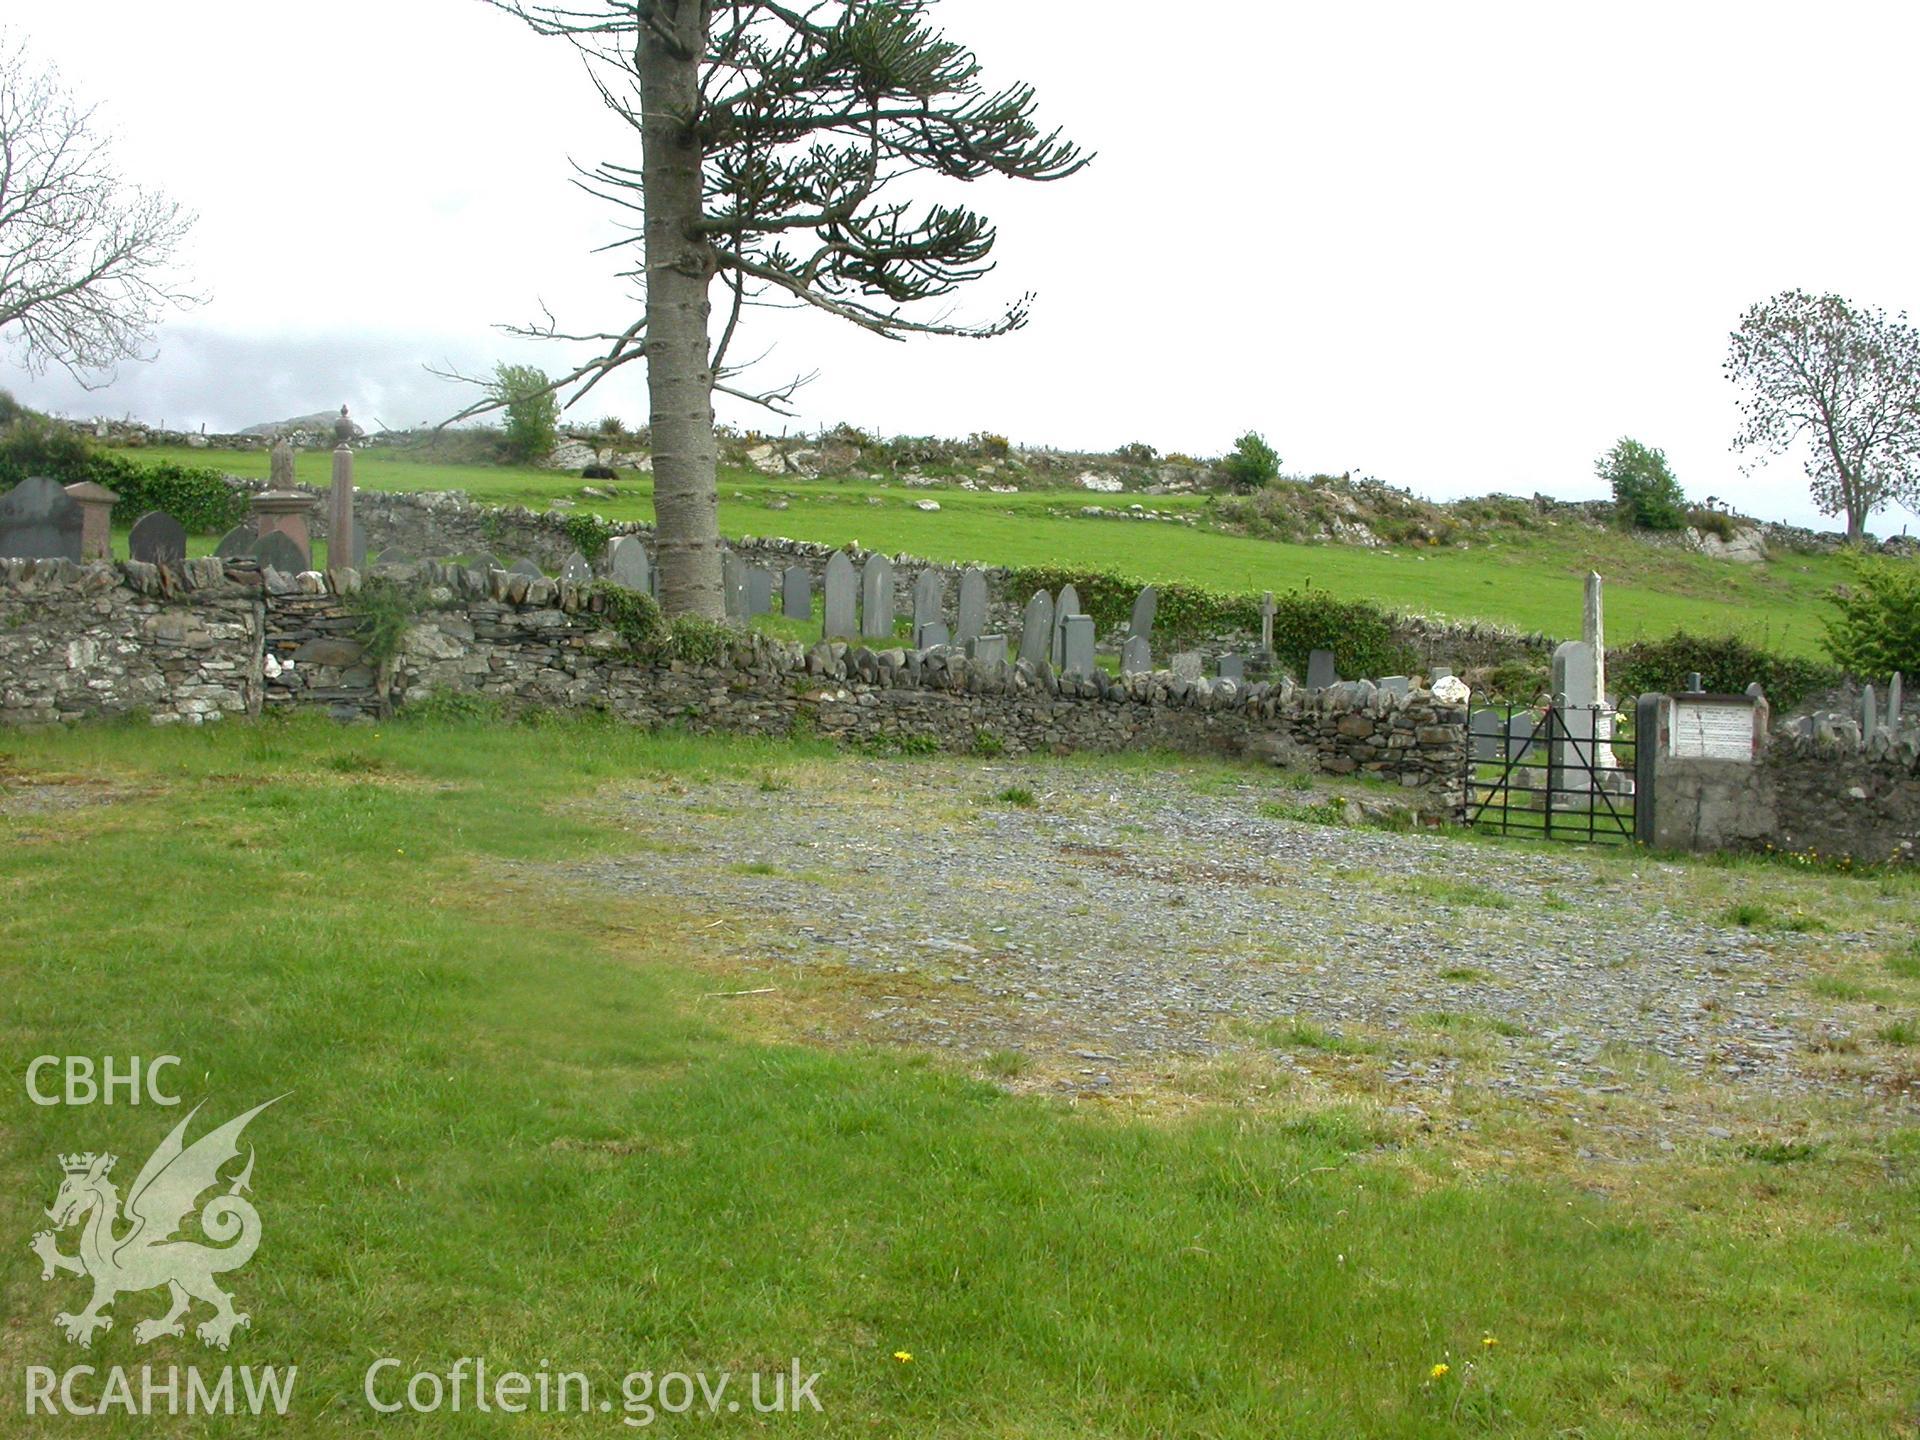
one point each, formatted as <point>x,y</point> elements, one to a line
<point>1554,772</point>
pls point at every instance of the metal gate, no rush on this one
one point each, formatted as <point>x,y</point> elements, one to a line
<point>1556,772</point>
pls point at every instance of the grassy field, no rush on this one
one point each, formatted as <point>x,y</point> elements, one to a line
<point>520,1125</point>
<point>1530,580</point>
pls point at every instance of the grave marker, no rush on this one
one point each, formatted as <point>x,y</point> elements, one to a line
<point>277,549</point>
<point>1036,629</point>
<point>796,593</point>
<point>929,596</point>
<point>1232,667</point>
<point>1136,656</point>
<point>1320,672</point>
<point>157,539</point>
<point>1076,646</point>
<point>842,620</point>
<point>627,562</point>
<point>576,571</point>
<point>345,544</point>
<point>933,633</point>
<point>1267,612</point>
<point>1145,605</point>
<point>527,568</point>
<point>1188,665</point>
<point>237,542</point>
<point>759,591</point>
<point>988,650</point>
<point>1068,604</point>
<point>876,598</point>
<point>733,585</point>
<point>973,606</point>
<point>96,519</point>
<point>40,521</point>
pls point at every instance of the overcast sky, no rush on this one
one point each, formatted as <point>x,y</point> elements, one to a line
<point>1458,247</point>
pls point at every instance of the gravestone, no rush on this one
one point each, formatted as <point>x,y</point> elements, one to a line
<point>1188,665</point>
<point>158,539</point>
<point>40,521</point>
<point>1076,646</point>
<point>1232,667</point>
<point>527,568</point>
<point>1869,714</point>
<point>876,598</point>
<point>1320,672</point>
<point>237,542</point>
<point>1267,611</point>
<point>988,650</point>
<point>280,465</point>
<point>733,585</point>
<point>1145,604</point>
<point>929,597</point>
<point>1485,728</point>
<point>1573,758</point>
<point>1136,656</point>
<point>842,590</point>
<point>1895,699</point>
<point>972,620</point>
<point>627,562</point>
<point>486,560</point>
<point>96,519</point>
<point>796,593</point>
<point>1440,672</point>
<point>1067,604</point>
<point>933,633</point>
<point>277,549</point>
<point>1036,629</point>
<point>1521,729</point>
<point>1396,685</point>
<point>759,591</point>
<point>345,544</point>
<point>576,571</point>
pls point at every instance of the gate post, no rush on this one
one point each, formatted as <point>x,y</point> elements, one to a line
<point>1647,744</point>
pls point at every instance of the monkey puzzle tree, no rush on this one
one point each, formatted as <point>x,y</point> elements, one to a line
<point>776,143</point>
<point>1844,378</point>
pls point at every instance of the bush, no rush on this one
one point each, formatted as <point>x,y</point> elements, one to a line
<point>1648,496</point>
<point>1878,628</point>
<point>533,413</point>
<point>1726,664</point>
<point>589,534</point>
<point>1137,452</point>
<point>199,498</point>
<point>1251,464</point>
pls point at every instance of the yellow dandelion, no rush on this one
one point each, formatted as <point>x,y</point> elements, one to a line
<point>1439,1370</point>
<point>905,1357</point>
<point>1488,1342</point>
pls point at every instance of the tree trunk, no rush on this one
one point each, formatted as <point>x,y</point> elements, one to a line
<point>679,271</point>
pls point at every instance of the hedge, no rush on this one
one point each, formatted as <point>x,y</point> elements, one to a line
<point>1726,665</point>
<point>198,497</point>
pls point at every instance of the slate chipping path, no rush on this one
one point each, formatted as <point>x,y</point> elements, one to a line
<point>1132,920</point>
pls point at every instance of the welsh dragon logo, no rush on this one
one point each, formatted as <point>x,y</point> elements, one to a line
<point>149,1252</point>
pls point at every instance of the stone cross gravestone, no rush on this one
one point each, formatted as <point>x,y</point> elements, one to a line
<point>1036,630</point>
<point>1076,646</point>
<point>1232,667</point>
<point>929,596</point>
<point>1188,665</point>
<point>237,542</point>
<point>345,544</point>
<point>1067,604</point>
<point>1320,672</point>
<point>40,521</point>
<point>842,590</point>
<point>158,539</point>
<point>796,593</point>
<point>277,550</point>
<point>1136,656</point>
<point>627,562</point>
<point>576,571</point>
<point>972,620</point>
<point>876,598</point>
<point>1145,605</point>
<point>759,591</point>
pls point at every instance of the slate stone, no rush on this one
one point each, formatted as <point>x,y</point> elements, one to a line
<point>526,568</point>
<point>988,650</point>
<point>1397,685</point>
<point>330,650</point>
<point>1869,715</point>
<point>1895,699</point>
<point>1188,665</point>
<point>733,584</point>
<point>157,539</point>
<point>933,633</point>
<point>1036,630</point>
<point>238,542</point>
<point>1136,656</point>
<point>1145,604</point>
<point>40,521</point>
<point>1320,672</point>
<point>276,548</point>
<point>876,598</point>
<point>1440,672</point>
<point>972,620</point>
<point>1067,604</point>
<point>627,563</point>
<point>759,591</point>
<point>576,571</point>
<point>1233,667</point>
<point>842,592</point>
<point>1076,644</point>
<point>796,593</point>
<point>929,597</point>
<point>1485,728</point>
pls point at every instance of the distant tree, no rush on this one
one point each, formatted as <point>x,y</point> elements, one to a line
<point>533,414</point>
<point>1878,628</point>
<point>1644,489</point>
<point>1251,463</point>
<point>1846,380</point>
<point>776,140</point>
<point>86,259</point>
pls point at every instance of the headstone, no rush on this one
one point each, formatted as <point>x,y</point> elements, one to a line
<point>988,650</point>
<point>96,519</point>
<point>929,596</point>
<point>1320,671</point>
<point>1593,631</point>
<point>933,633</point>
<point>486,560</point>
<point>237,542</point>
<point>842,591</point>
<point>972,620</point>
<point>280,465</point>
<point>1574,758</point>
<point>158,539</point>
<point>1521,728</point>
<point>759,591</point>
<point>40,521</point>
<point>1145,604</point>
<point>1573,673</point>
<point>1439,673</point>
<point>627,562</point>
<point>1067,604</point>
<point>1267,611</point>
<point>345,544</point>
<point>1869,714</point>
<point>796,593</point>
<point>733,585</point>
<point>527,568</point>
<point>1188,665</point>
<point>1895,698</point>
<point>1232,667</point>
<point>1396,685</point>
<point>1036,629</point>
<point>284,512</point>
<point>1485,728</point>
<point>576,571</point>
<point>276,548</point>
<point>876,598</point>
<point>1136,656</point>
<point>1076,644</point>
<point>1695,685</point>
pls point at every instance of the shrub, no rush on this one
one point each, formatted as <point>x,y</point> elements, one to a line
<point>1251,463</point>
<point>1878,628</point>
<point>589,534</point>
<point>1726,664</point>
<point>1137,453</point>
<point>533,413</point>
<point>1713,522</point>
<point>385,611</point>
<point>198,497</point>
<point>1648,496</point>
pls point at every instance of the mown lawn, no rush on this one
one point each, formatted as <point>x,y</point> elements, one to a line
<point>520,1127</point>
<point>1529,580</point>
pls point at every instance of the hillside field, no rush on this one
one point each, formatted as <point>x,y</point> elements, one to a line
<point>1528,579</point>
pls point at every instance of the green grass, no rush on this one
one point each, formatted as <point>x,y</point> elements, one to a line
<point>1529,580</point>
<point>1306,1035</point>
<point>519,1125</point>
<point>1017,795</point>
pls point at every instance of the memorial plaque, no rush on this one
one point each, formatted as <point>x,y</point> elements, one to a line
<point>1706,730</point>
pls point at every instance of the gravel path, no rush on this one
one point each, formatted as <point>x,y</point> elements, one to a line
<point>1131,922</point>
